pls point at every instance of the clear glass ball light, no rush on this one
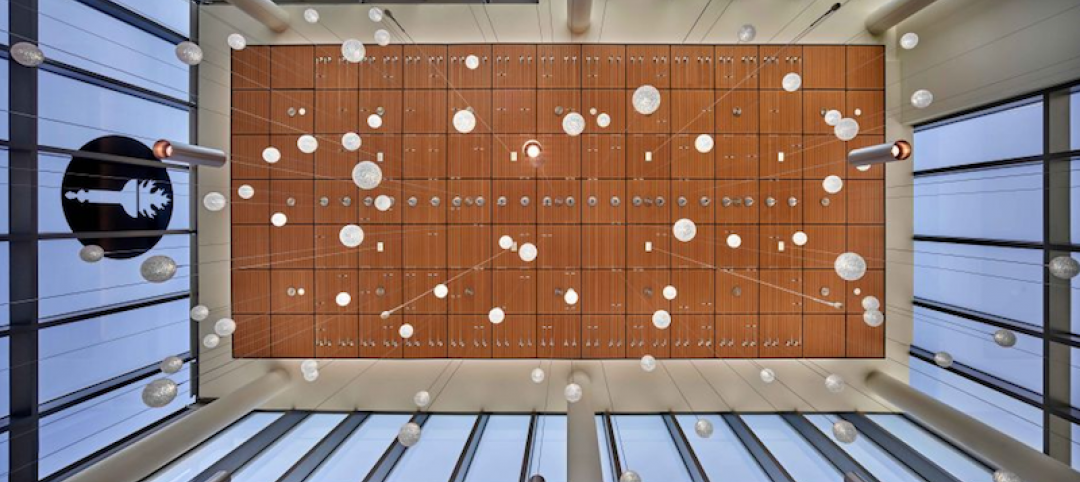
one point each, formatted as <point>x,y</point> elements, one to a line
<point>747,33</point>
<point>382,37</point>
<point>351,141</point>
<point>245,191</point>
<point>850,266</point>
<point>704,143</point>
<point>422,398</point>
<point>603,120</point>
<point>271,155</point>
<point>160,393</point>
<point>799,238</point>
<point>158,269</point>
<point>684,230</point>
<point>537,375</point>
<point>943,359</point>
<point>1006,476</point>
<point>832,184</point>
<point>648,363</point>
<point>440,291</point>
<point>703,428</point>
<point>211,341</point>
<point>922,99</point>
<point>189,53</point>
<point>573,124</point>
<point>791,82</point>
<point>767,375</point>
<point>506,242</point>
<point>308,366</point>
<point>214,201</point>
<point>573,393</point>
<point>27,54</point>
<point>847,129</point>
<point>343,299</point>
<point>472,62</point>
<point>171,365</point>
<point>661,319</point>
<point>237,41</point>
<point>406,331</point>
<point>200,312</point>
<point>353,50</point>
<point>307,143</point>
<point>383,202</point>
<point>279,219</point>
<point>833,117</point>
<point>909,40</point>
<point>845,431</point>
<point>670,292</point>
<point>91,253</point>
<point>384,315</point>
<point>375,14</point>
<point>225,327</point>
<point>311,376</point>
<point>629,476</point>
<point>351,235</point>
<point>496,315</point>
<point>311,15</point>
<point>1064,267</point>
<point>873,318</point>
<point>734,241</point>
<point>464,121</point>
<point>646,100</point>
<point>1005,338</point>
<point>527,252</point>
<point>374,121</point>
<point>571,297</point>
<point>871,303</point>
<point>409,434</point>
<point>835,383</point>
<point>367,175</point>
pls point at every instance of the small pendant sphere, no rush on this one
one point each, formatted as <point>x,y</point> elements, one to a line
<point>573,393</point>
<point>832,184</point>
<point>703,428</point>
<point>684,230</point>
<point>850,266</point>
<point>307,144</point>
<point>367,175</point>
<point>171,364</point>
<point>661,319</point>
<point>943,359</point>
<point>799,238</point>
<point>374,121</point>
<point>873,318</point>
<point>406,331</point>
<point>382,37</point>
<point>528,252</point>
<point>1064,267</point>
<point>909,40</point>
<point>648,363</point>
<point>603,120</point>
<point>237,41</point>
<point>871,303</point>
<point>158,269</point>
<point>353,50</point>
<point>496,315</point>
<point>573,124</point>
<point>351,236</point>
<point>279,219</point>
<point>311,15</point>
<point>537,375</point>
<point>375,14</point>
<point>211,341</point>
<point>225,327</point>
<point>409,434</point>
<point>308,366</point>
<point>200,313</point>
<point>245,191</point>
<point>422,399</point>
<point>833,117</point>
<point>847,129</point>
<point>845,432</point>
<point>1005,338</point>
<point>271,155</point>
<point>214,201</point>
<point>922,99</point>
<point>791,82</point>
<point>343,299</point>
<point>704,143</point>
<point>767,375</point>
<point>747,33</point>
<point>383,202</point>
<point>734,241</point>
<point>835,383</point>
<point>28,54</point>
<point>160,393</point>
<point>464,121</point>
<point>351,141</point>
<point>91,253</point>
<point>646,100</point>
<point>629,476</point>
<point>472,62</point>
<point>670,292</point>
<point>189,53</point>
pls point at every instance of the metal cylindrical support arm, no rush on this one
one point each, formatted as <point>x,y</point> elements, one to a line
<point>1000,449</point>
<point>891,14</point>
<point>266,12</point>
<point>166,150</point>
<point>578,15</point>
<point>140,459</point>
<point>880,154</point>
<point>582,443</point>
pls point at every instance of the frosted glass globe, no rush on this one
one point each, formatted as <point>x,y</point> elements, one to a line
<point>496,315</point>
<point>91,253</point>
<point>189,53</point>
<point>160,393</point>
<point>214,201</point>
<point>747,33</point>
<point>367,175</point>
<point>374,121</point>
<point>909,40</point>
<point>873,318</point>
<point>353,50</point>
<point>844,432</point>
<point>158,269</point>
<point>1005,338</point>
<point>237,41</point>
<point>199,313</point>
<point>245,191</point>
<point>943,359</point>
<point>375,14</point>
<point>573,124</point>
<point>307,143</point>
<point>799,238</point>
<point>343,299</point>
<point>464,121</point>
<point>27,54</point>
<point>703,428</point>
<point>835,383</point>
<point>922,99</point>
<point>648,363</point>
<point>603,120</point>
<point>1064,267</point>
<point>271,155</point>
<point>767,375</point>
<point>441,291</point>
<point>833,117</point>
<point>311,376</point>
<point>670,292</point>
<point>171,365</point>
<point>311,15</point>
<point>791,82</point>
<point>409,434</point>
<point>537,375</point>
<point>472,62</point>
<point>383,202</point>
<point>871,303</point>
<point>382,37</point>
<point>211,341</point>
<point>351,141</point>
<point>225,327</point>
<point>351,235</point>
<point>629,476</point>
<point>684,230</point>
<point>308,366</point>
<point>734,241</point>
<point>704,143</point>
<point>850,266</point>
<point>528,252</point>
<point>846,129</point>
<point>422,398</point>
<point>646,100</point>
<point>506,242</point>
<point>406,331</point>
<point>661,319</point>
<point>571,297</point>
<point>832,184</point>
<point>279,219</point>
<point>573,393</point>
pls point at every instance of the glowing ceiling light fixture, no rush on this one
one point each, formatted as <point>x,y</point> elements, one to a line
<point>374,121</point>
<point>464,120</point>
<point>791,82</point>
<point>532,148</point>
<point>472,62</point>
<point>909,40</point>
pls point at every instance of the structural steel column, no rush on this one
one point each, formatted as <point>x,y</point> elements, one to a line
<point>582,443</point>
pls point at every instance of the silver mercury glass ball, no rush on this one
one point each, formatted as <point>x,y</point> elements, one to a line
<point>158,269</point>
<point>382,37</point>
<point>225,327</point>
<point>646,100</point>
<point>27,54</point>
<point>850,266</point>
<point>422,398</point>
<point>1005,338</point>
<point>834,383</point>
<point>160,393</point>
<point>747,33</point>
<point>703,428</point>
<point>200,312</point>
<point>537,375</point>
<point>171,364</point>
<point>845,431</point>
<point>1006,476</point>
<point>768,375</point>
<point>684,230</point>
<point>573,124</point>
<point>573,393</point>
<point>1064,267</point>
<point>367,175</point>
<point>629,476</point>
<point>189,53</point>
<point>943,359</point>
<point>409,434</point>
<point>91,253</point>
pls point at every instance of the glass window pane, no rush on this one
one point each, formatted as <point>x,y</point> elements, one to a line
<point>4,94</point>
<point>208,453</point>
<point>1011,416</point>
<point>499,455</point>
<point>548,456</point>
<point>5,376</point>
<point>1074,378</point>
<point>933,448</point>
<point>4,451</point>
<point>79,431</point>
<point>1074,121</point>
<point>972,343</point>
<point>72,113</point>
<point>1001,281</point>
<point>1003,203</point>
<point>605,452</point>
<point>1005,134</point>
<point>84,37</point>
<point>77,355</point>
<point>67,284</point>
<point>4,34</point>
<point>645,446</point>
<point>290,448</point>
<point>174,14</point>
<point>5,180</point>
<point>357,455</point>
<point>722,456</point>
<point>5,287</point>
<point>795,454</point>
<point>868,454</point>
<point>437,452</point>
<point>1074,196</point>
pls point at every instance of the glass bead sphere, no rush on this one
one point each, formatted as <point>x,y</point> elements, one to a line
<point>670,292</point>
<point>245,191</point>
<point>200,313</point>
<point>409,434</point>
<point>384,315</point>
<point>374,121</point>
<point>747,33</point>
<point>704,143</point>
<point>537,375</point>
<point>160,393</point>
<point>1005,338</point>
<point>422,398</point>
<point>171,364</point>
<point>603,120</point>
<point>225,327</point>
<point>648,363</point>
<point>343,299</point>
<point>271,155</point>
<point>629,476</point>
<point>646,100</point>
<point>307,143</point>
<point>353,50</point>
<point>406,331</point>
<point>791,82</point>
<point>308,366</point>
<point>847,129</point>
<point>237,41</point>
<point>767,375</point>
<point>871,303</point>
<point>684,230</point>
<point>189,53</point>
<point>383,202</point>
<point>440,291</point>
<point>211,341</point>
<point>464,121</point>
<point>844,431</point>
<point>1006,476</point>
<point>909,40</point>
<point>573,124</point>
<point>832,184</point>
<point>506,242</point>
<point>214,201</point>
<point>850,266</point>
<point>922,99</point>
<point>573,393</point>
<point>703,428</point>
<point>382,37</point>
<point>158,269</point>
<point>833,117</point>
<point>661,319</point>
<point>873,318</point>
<point>835,383</point>
<point>472,62</point>
<point>571,297</point>
<point>311,15</point>
<point>311,376</point>
<point>734,241</point>
<point>799,238</point>
<point>279,219</point>
<point>496,315</point>
<point>1064,267</point>
<point>375,14</point>
<point>943,359</point>
<point>91,253</point>
<point>351,141</point>
<point>367,175</point>
<point>528,252</point>
<point>351,235</point>
<point>27,54</point>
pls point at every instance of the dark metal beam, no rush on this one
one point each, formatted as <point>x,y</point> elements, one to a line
<point>830,450</point>
<point>613,446</point>
<point>74,398</point>
<point>393,454</point>
<point>900,451</point>
<point>757,450</point>
<point>135,19</point>
<point>689,458</point>
<point>315,457</point>
<point>461,469</point>
<point>527,456</point>
<point>254,446</point>
<point>113,309</point>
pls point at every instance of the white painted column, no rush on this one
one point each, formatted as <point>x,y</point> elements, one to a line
<point>582,443</point>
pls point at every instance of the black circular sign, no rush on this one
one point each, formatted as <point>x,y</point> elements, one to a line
<point>102,196</point>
